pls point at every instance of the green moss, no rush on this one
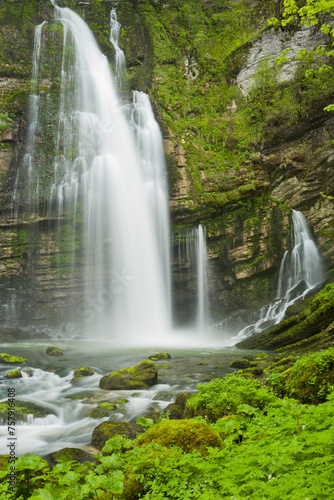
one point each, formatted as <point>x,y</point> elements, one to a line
<point>189,435</point>
<point>22,410</point>
<point>312,377</point>
<point>8,359</point>
<point>14,374</point>
<point>54,351</point>
<point>141,376</point>
<point>160,355</point>
<point>103,410</point>
<point>311,323</point>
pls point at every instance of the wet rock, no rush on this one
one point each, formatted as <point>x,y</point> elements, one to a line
<point>54,351</point>
<point>108,430</point>
<point>22,410</point>
<point>84,371</point>
<point>14,374</point>
<point>163,396</point>
<point>141,376</point>
<point>160,355</point>
<point>8,359</point>
<point>103,410</point>
<point>242,363</point>
<point>176,410</point>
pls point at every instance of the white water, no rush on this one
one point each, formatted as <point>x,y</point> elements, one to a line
<point>192,254</point>
<point>115,31</point>
<point>300,272</point>
<point>115,169</point>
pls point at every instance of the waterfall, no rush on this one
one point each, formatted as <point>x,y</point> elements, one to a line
<point>115,31</point>
<point>300,272</point>
<point>110,170</point>
<point>192,254</point>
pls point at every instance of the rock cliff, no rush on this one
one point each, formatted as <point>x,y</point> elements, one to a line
<point>246,140</point>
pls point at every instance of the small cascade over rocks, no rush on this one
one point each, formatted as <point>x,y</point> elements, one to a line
<point>301,271</point>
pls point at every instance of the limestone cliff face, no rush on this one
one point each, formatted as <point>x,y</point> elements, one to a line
<point>240,182</point>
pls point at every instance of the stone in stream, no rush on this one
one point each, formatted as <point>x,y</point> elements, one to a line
<point>160,355</point>
<point>140,376</point>
<point>54,351</point>
<point>22,410</point>
<point>108,430</point>
<point>8,359</point>
<point>14,374</point>
<point>84,371</point>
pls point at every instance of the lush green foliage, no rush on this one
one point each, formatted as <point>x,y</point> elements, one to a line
<point>223,396</point>
<point>286,451</point>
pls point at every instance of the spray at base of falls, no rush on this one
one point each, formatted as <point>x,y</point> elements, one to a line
<point>300,272</point>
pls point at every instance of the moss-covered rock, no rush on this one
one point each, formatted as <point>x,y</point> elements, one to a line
<point>22,410</point>
<point>140,376</point>
<point>160,355</point>
<point>242,363</point>
<point>187,434</point>
<point>69,454</point>
<point>103,410</point>
<point>175,411</point>
<point>311,378</point>
<point>8,359</point>
<point>310,328</point>
<point>14,374</point>
<point>84,371</point>
<point>108,430</point>
<point>54,351</point>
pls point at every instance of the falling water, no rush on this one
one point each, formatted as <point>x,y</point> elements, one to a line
<point>300,272</point>
<point>115,170</point>
<point>115,31</point>
<point>192,254</point>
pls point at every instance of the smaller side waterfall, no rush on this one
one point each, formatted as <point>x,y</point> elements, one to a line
<point>300,272</point>
<point>115,31</point>
<point>202,285</point>
<point>191,253</point>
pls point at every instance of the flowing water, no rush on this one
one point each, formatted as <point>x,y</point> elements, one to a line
<point>300,272</point>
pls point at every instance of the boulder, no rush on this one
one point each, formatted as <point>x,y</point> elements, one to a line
<point>108,430</point>
<point>22,410</point>
<point>84,371</point>
<point>160,355</point>
<point>175,410</point>
<point>54,351</point>
<point>242,363</point>
<point>186,434</point>
<point>8,359</point>
<point>14,374</point>
<point>69,454</point>
<point>103,410</point>
<point>140,376</point>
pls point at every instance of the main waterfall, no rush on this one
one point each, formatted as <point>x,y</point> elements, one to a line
<point>108,173</point>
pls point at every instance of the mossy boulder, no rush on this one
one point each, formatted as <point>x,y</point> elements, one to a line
<point>140,376</point>
<point>175,410</point>
<point>8,359</point>
<point>69,454</point>
<point>84,371</point>
<point>281,365</point>
<point>311,378</point>
<point>103,410</point>
<point>14,374</point>
<point>22,410</point>
<point>160,355</point>
<point>242,363</point>
<point>187,434</point>
<point>108,430</point>
<point>54,351</point>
